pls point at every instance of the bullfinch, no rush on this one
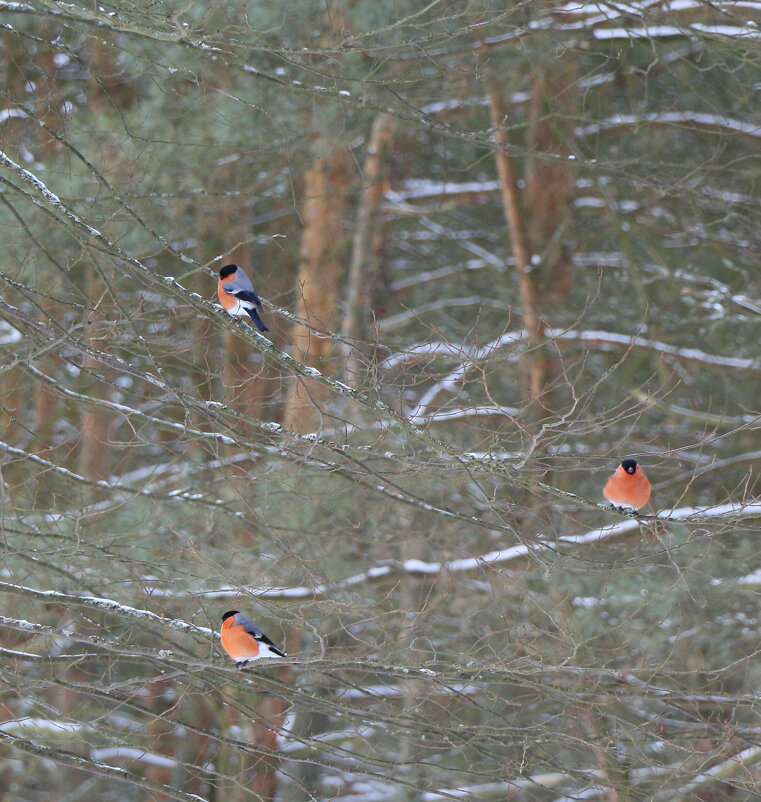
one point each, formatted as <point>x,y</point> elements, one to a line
<point>237,296</point>
<point>244,641</point>
<point>628,487</point>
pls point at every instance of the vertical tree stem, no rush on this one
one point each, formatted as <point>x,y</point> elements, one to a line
<point>511,204</point>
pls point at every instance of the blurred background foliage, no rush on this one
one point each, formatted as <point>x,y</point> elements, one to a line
<point>502,246</point>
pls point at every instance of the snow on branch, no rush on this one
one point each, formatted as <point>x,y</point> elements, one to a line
<point>270,428</point>
<point>96,767</point>
<point>415,567</point>
<point>255,449</point>
<point>479,410</point>
<point>134,755</point>
<point>671,31</point>
<point>108,605</point>
<point>611,11</point>
<point>52,466</point>
<point>469,356</point>
<point>505,789</point>
<point>51,198</point>
<point>52,205</point>
<point>737,763</point>
<point>9,114</point>
<point>8,334</point>
<point>28,626</point>
<point>414,189</point>
<point>387,415</point>
<point>604,339</point>
<point>714,122</point>
<point>593,18</point>
<point>63,639</point>
<point>115,485</point>
<point>50,726</point>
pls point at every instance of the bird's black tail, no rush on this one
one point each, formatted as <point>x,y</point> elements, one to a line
<point>255,317</point>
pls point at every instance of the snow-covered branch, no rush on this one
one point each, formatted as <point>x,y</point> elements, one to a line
<point>131,754</point>
<point>475,411</point>
<point>94,766</point>
<point>505,789</point>
<point>107,605</point>
<point>518,552</point>
<point>606,340</point>
<point>692,119</point>
<point>737,764</point>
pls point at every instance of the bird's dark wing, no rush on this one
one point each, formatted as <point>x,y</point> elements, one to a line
<point>246,295</point>
<point>275,649</point>
<point>257,634</point>
<point>264,639</point>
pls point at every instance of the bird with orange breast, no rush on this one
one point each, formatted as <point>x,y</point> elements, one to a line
<point>244,641</point>
<point>628,487</point>
<point>237,296</point>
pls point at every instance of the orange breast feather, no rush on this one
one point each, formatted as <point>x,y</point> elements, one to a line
<point>228,301</point>
<point>631,490</point>
<point>237,642</point>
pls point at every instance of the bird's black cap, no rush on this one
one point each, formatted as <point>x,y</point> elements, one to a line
<point>229,614</point>
<point>227,270</point>
<point>629,465</point>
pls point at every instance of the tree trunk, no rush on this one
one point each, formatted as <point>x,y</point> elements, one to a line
<point>549,182</point>
<point>367,242</point>
<point>520,247</point>
<point>320,272</point>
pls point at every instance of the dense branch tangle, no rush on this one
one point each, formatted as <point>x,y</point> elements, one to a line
<point>465,618</point>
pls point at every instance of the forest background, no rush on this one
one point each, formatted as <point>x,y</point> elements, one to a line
<point>502,246</point>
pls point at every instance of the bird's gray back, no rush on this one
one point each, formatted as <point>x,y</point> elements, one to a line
<point>248,625</point>
<point>241,282</point>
